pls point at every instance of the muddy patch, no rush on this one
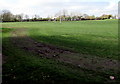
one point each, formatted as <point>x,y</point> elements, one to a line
<point>21,40</point>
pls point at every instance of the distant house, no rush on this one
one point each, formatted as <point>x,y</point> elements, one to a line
<point>117,17</point>
<point>114,17</point>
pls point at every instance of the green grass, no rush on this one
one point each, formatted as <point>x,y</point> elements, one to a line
<point>24,67</point>
<point>97,38</point>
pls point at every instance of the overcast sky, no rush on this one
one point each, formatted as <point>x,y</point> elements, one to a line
<point>46,8</point>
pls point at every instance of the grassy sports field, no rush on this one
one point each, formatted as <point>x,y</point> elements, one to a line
<point>32,48</point>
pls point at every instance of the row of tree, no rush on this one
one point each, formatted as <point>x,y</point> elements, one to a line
<point>74,16</point>
<point>7,16</point>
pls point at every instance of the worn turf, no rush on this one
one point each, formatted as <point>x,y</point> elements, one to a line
<point>27,47</point>
<point>99,38</point>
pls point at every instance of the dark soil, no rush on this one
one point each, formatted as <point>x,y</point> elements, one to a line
<point>25,42</point>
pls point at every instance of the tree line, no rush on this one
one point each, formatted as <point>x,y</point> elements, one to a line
<point>7,16</point>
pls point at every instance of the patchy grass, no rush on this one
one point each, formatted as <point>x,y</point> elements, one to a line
<point>96,38</point>
<point>99,38</point>
<point>24,67</point>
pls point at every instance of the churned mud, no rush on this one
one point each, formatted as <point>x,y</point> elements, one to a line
<point>21,40</point>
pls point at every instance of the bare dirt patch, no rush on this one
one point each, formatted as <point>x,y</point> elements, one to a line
<point>21,40</point>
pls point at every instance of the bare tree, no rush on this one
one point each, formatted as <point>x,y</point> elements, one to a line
<point>27,18</point>
<point>18,17</point>
<point>7,15</point>
<point>64,13</point>
<point>21,17</point>
<point>0,16</point>
<point>36,16</point>
<point>59,14</point>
